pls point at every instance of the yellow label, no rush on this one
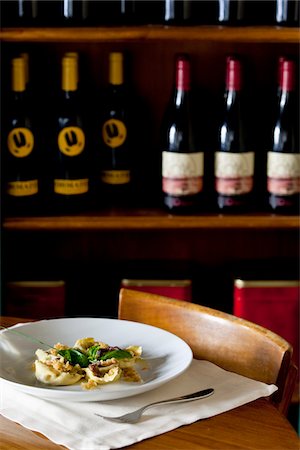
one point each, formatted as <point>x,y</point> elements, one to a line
<point>71,141</point>
<point>114,133</point>
<point>71,187</point>
<point>22,188</point>
<point>115,176</point>
<point>20,142</point>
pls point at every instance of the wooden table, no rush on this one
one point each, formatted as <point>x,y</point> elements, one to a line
<point>256,426</point>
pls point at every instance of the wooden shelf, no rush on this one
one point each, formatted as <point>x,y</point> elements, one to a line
<point>150,220</point>
<point>266,34</point>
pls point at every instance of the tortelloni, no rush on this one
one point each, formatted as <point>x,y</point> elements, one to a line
<point>92,362</point>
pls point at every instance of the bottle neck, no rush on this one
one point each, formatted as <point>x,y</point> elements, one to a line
<point>75,57</point>
<point>116,69</point>
<point>287,76</point>
<point>26,65</point>
<point>18,76</point>
<point>182,74</point>
<point>69,75</point>
<point>232,97</point>
<point>286,99</point>
<point>68,6</point>
<point>233,75</point>
<point>182,83</point>
<point>286,82</point>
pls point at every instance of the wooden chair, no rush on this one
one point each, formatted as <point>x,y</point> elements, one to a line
<point>230,342</point>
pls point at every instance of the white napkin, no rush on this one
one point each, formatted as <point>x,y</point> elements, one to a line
<point>75,425</point>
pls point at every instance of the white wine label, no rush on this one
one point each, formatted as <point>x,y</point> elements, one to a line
<point>22,188</point>
<point>283,173</point>
<point>234,165</point>
<point>114,133</point>
<point>234,173</point>
<point>182,173</point>
<point>20,142</point>
<point>115,176</point>
<point>71,187</point>
<point>71,141</point>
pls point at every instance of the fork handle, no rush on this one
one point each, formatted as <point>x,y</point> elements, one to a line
<point>183,398</point>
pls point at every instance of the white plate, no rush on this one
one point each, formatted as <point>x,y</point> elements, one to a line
<point>166,355</point>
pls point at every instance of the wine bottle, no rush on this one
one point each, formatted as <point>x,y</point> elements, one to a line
<point>182,160</point>
<point>283,161</point>
<point>73,12</point>
<point>177,12</point>
<point>25,57</point>
<point>230,12</point>
<point>116,12</point>
<point>287,13</point>
<point>70,157</point>
<point>259,12</point>
<point>19,13</point>
<point>149,12</point>
<point>234,161</point>
<point>21,161</point>
<point>75,57</point>
<point>204,12</point>
<point>114,141</point>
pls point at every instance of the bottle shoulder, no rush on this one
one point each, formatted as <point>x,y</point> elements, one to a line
<point>115,102</point>
<point>232,133</point>
<point>69,111</point>
<point>19,107</point>
<point>286,127</point>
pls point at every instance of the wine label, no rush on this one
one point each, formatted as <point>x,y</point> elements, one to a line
<point>283,173</point>
<point>22,188</point>
<point>234,173</point>
<point>115,176</point>
<point>20,142</point>
<point>114,133</point>
<point>71,141</point>
<point>182,173</point>
<point>71,187</point>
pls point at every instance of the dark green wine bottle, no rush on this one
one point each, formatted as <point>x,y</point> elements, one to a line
<point>21,169</point>
<point>114,139</point>
<point>70,157</point>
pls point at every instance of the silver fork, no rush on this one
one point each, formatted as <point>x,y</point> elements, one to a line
<point>134,416</point>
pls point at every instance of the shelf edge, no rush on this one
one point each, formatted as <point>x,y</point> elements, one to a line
<point>150,223</point>
<point>251,34</point>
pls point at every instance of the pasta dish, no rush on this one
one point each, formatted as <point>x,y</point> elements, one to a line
<point>90,362</point>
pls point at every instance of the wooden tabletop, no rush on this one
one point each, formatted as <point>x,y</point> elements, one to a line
<point>257,425</point>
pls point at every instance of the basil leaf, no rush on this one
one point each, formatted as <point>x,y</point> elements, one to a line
<point>92,352</point>
<point>74,357</point>
<point>118,354</point>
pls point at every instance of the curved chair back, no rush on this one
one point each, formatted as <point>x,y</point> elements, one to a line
<point>230,342</point>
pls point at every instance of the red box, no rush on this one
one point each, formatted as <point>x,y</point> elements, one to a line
<point>178,289</point>
<point>35,299</point>
<point>271,304</point>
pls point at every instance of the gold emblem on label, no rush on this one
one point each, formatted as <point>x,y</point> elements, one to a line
<point>71,141</point>
<point>114,133</point>
<point>20,142</point>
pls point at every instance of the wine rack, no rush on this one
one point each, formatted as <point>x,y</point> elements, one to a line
<point>93,251</point>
